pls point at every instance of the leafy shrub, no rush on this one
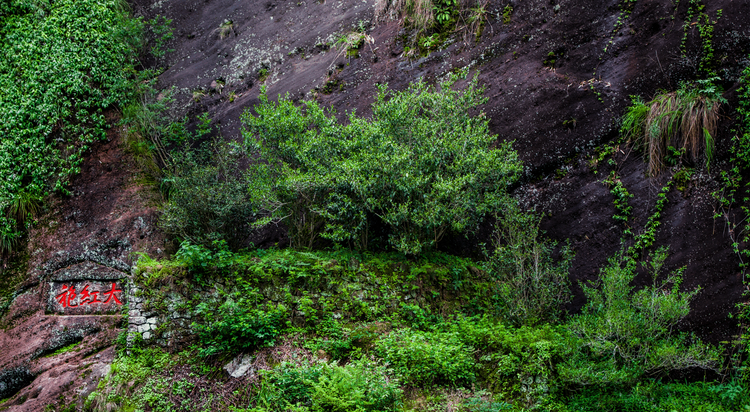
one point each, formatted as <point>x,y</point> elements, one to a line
<point>63,64</point>
<point>686,118</point>
<point>209,202</point>
<point>422,167</point>
<point>625,335</point>
<point>360,385</point>
<point>288,384</point>
<point>518,362</point>
<point>238,325</point>
<point>531,287</point>
<point>428,358</point>
<point>127,375</point>
<point>200,259</point>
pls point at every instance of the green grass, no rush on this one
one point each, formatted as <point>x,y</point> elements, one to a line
<point>65,349</point>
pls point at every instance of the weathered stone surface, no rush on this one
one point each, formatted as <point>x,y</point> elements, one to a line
<point>12,380</point>
<point>87,271</point>
<point>138,320</point>
<point>240,366</point>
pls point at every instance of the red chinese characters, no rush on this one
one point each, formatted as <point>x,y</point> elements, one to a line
<point>111,295</point>
<point>88,297</point>
<point>68,295</point>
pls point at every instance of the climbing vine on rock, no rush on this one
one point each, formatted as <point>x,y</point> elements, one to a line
<point>62,64</point>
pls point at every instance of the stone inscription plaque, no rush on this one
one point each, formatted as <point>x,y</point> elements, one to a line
<point>84,297</point>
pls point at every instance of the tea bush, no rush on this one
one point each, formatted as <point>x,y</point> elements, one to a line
<point>422,167</point>
<point>531,287</point>
<point>626,334</point>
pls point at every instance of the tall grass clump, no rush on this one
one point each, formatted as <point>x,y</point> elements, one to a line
<point>416,14</point>
<point>430,22</point>
<point>685,120</point>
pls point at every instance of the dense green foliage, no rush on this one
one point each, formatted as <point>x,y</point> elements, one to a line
<point>422,167</point>
<point>360,386</point>
<point>352,330</point>
<point>318,286</point>
<point>210,201</point>
<point>428,358</point>
<point>239,326</point>
<point>657,396</point>
<point>62,64</point>
<point>399,329</point>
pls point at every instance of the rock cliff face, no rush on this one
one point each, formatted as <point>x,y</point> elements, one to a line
<point>558,76</point>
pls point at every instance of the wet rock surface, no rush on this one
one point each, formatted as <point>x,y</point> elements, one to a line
<point>13,379</point>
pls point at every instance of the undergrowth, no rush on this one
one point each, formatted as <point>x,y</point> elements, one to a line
<point>345,330</point>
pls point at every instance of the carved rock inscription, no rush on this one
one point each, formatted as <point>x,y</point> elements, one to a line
<point>84,297</point>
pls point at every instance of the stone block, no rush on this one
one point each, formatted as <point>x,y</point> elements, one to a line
<point>137,320</point>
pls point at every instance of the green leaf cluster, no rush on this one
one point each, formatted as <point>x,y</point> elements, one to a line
<point>210,202</point>
<point>238,325</point>
<point>429,358</point>
<point>358,386</point>
<point>422,167</point>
